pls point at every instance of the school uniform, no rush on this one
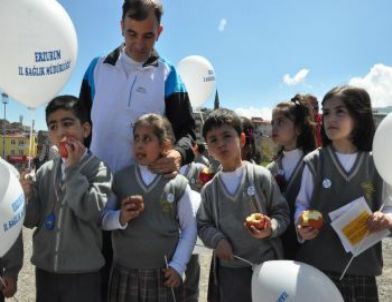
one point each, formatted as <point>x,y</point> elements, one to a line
<point>65,209</point>
<point>287,170</point>
<point>226,201</point>
<point>334,187</point>
<point>192,274</point>
<point>140,247</point>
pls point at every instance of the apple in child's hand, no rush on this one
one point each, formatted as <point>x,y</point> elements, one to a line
<point>312,218</point>
<point>138,201</point>
<point>63,149</point>
<point>256,220</point>
<point>206,175</point>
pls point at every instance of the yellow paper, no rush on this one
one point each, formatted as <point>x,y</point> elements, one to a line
<point>357,229</point>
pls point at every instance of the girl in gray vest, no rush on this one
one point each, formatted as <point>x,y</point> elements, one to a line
<point>153,221</point>
<point>338,173</point>
<point>294,135</point>
<point>237,190</point>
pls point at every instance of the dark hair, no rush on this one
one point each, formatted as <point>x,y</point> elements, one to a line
<point>69,103</point>
<point>221,117</point>
<point>298,112</point>
<point>201,148</point>
<point>249,149</point>
<point>141,9</point>
<point>160,126</point>
<point>358,104</point>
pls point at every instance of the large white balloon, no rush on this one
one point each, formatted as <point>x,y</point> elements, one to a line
<point>382,147</point>
<point>292,281</point>
<point>199,78</point>
<point>38,49</point>
<point>12,208</point>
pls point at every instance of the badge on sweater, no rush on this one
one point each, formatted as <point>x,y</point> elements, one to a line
<point>50,221</point>
<point>167,203</point>
<point>251,191</point>
<point>327,183</point>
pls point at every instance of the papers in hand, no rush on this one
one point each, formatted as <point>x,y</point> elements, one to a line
<point>350,223</point>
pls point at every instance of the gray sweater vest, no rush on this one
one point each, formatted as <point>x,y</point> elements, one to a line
<point>192,174</point>
<point>155,233</point>
<point>257,192</point>
<point>333,188</point>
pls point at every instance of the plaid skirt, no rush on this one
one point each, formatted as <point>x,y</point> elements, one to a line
<point>355,288</point>
<point>141,285</point>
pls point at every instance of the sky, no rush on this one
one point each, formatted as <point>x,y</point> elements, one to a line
<point>262,51</point>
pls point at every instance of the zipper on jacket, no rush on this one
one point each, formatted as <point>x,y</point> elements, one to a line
<point>57,244</point>
<point>131,90</point>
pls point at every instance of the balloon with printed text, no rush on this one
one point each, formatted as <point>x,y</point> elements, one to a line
<point>382,146</point>
<point>12,208</point>
<point>292,281</point>
<point>38,50</point>
<point>198,76</point>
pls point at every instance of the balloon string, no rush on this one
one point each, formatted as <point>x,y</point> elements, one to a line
<point>31,139</point>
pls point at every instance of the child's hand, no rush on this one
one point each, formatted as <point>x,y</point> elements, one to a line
<point>131,207</point>
<point>75,151</point>
<point>379,221</point>
<point>260,233</point>
<point>173,279</point>
<point>26,182</point>
<point>306,232</point>
<point>224,251</point>
<point>10,287</point>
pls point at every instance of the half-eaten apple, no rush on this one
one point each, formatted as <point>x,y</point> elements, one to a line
<point>312,218</point>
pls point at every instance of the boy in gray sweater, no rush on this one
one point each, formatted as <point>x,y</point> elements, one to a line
<point>237,190</point>
<point>64,205</point>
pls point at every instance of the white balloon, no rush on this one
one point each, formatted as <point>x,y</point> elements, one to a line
<point>12,208</point>
<point>292,281</point>
<point>199,78</point>
<point>38,49</point>
<point>382,146</point>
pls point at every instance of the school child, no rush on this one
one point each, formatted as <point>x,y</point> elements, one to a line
<point>10,266</point>
<point>248,151</point>
<point>338,173</point>
<point>192,273</point>
<point>237,190</point>
<point>64,205</point>
<point>293,133</point>
<point>153,222</point>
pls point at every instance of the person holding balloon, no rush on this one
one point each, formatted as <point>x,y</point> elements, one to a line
<point>238,190</point>
<point>10,266</point>
<point>64,204</point>
<point>338,173</point>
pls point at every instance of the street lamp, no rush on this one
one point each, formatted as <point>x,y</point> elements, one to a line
<point>5,102</point>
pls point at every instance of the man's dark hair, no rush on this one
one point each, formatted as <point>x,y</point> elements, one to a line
<point>221,117</point>
<point>69,103</point>
<point>141,9</point>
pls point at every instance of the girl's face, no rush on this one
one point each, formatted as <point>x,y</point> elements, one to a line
<point>284,131</point>
<point>338,123</point>
<point>146,146</point>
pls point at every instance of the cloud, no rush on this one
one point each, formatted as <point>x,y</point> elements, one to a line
<point>378,83</point>
<point>297,79</point>
<point>222,24</point>
<point>265,113</point>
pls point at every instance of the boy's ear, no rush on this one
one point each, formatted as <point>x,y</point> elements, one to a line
<point>242,139</point>
<point>87,129</point>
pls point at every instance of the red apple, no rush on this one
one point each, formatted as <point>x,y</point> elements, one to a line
<point>312,218</point>
<point>206,175</point>
<point>256,220</point>
<point>63,150</point>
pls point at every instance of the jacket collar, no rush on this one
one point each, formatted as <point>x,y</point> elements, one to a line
<point>112,57</point>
